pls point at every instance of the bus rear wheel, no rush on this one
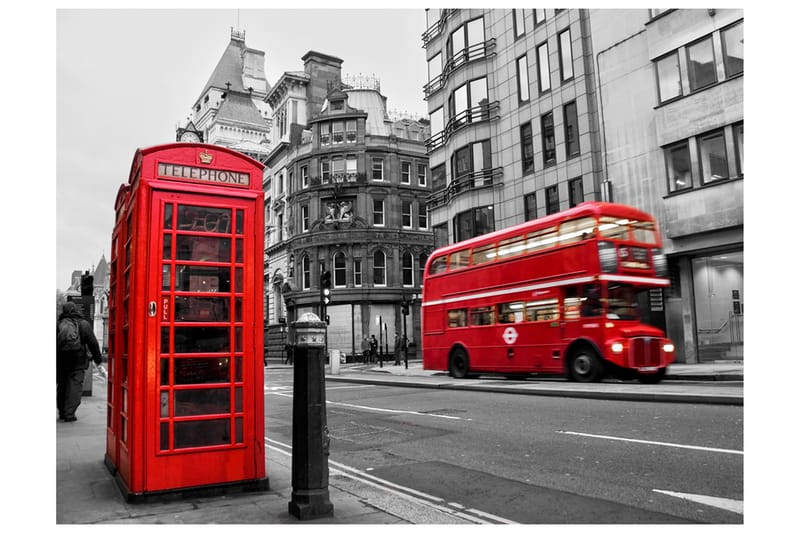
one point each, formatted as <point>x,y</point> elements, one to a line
<point>459,363</point>
<point>585,366</point>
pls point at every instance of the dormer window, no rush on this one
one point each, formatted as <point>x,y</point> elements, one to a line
<point>337,105</point>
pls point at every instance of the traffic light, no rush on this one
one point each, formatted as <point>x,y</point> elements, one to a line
<point>87,284</point>
<point>404,306</point>
<point>325,287</point>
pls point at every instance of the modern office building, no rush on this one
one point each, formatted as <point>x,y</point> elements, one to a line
<point>346,192</point>
<point>533,111</point>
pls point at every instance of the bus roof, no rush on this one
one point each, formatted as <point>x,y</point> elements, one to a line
<point>581,210</point>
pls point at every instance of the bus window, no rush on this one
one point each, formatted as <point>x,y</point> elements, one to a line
<point>572,303</point>
<point>483,254</point>
<point>614,228</point>
<point>542,310</point>
<point>511,247</point>
<point>459,259</point>
<point>481,316</point>
<point>644,232</point>
<point>457,318</point>
<point>622,303</point>
<point>576,230</point>
<point>509,313</point>
<point>438,265</point>
<point>591,304</point>
<point>543,238</point>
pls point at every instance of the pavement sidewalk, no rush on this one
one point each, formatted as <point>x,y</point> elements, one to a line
<point>86,492</point>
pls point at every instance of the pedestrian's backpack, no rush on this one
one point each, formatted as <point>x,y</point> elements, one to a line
<point>69,337</point>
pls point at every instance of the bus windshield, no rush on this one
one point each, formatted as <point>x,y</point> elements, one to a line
<point>625,229</point>
<point>622,302</point>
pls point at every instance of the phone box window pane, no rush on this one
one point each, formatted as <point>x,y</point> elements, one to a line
<point>195,248</point>
<point>239,430</point>
<point>201,309</point>
<point>202,402</point>
<point>164,436</point>
<point>202,433</point>
<point>202,279</point>
<point>239,222</point>
<point>199,370</point>
<point>164,371</point>
<point>202,339</point>
<point>168,216</point>
<point>167,247</point>
<point>208,219</point>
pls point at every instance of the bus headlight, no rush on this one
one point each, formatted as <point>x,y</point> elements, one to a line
<point>669,347</point>
<point>617,347</point>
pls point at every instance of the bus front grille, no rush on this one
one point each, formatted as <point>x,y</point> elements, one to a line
<point>646,352</point>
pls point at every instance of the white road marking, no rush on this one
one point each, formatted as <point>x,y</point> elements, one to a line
<point>350,387</point>
<point>656,443</point>
<point>396,411</point>
<point>735,506</point>
<point>472,515</point>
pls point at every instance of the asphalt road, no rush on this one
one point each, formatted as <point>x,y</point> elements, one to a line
<point>532,459</point>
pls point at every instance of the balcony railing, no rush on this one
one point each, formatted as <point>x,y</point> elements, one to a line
<point>436,28</point>
<point>480,113</point>
<point>468,182</point>
<point>473,53</point>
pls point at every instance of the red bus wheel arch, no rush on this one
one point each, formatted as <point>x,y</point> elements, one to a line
<point>458,362</point>
<point>583,362</point>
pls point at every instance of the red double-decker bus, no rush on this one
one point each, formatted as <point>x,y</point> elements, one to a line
<point>556,295</point>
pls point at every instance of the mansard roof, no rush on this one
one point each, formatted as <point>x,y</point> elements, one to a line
<point>239,107</point>
<point>230,69</point>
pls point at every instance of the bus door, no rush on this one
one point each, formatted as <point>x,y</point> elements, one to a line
<point>201,291</point>
<point>583,312</point>
<point>542,331</point>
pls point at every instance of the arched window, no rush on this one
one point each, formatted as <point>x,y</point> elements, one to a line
<point>408,270</point>
<point>423,259</point>
<point>379,268</point>
<point>306,265</point>
<point>339,270</point>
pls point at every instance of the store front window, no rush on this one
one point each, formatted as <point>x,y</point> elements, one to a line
<point>719,304</point>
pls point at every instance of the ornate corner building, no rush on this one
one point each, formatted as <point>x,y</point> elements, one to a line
<point>346,192</point>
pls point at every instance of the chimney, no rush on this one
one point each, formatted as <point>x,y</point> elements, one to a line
<point>322,69</point>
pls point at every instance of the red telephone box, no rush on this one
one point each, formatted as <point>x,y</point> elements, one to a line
<point>186,322</point>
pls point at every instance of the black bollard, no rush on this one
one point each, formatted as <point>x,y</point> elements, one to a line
<point>310,440</point>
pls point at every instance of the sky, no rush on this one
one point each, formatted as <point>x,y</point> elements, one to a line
<point>127,78</point>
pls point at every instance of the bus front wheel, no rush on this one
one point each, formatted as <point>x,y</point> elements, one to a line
<point>459,363</point>
<point>585,366</point>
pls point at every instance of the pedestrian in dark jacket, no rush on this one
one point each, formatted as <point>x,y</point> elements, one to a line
<point>71,364</point>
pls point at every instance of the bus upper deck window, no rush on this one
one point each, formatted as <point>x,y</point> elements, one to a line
<point>459,259</point>
<point>576,230</point>
<point>438,265</point>
<point>483,254</point>
<point>614,228</point>
<point>644,232</point>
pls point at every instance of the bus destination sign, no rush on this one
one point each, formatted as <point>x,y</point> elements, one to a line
<point>216,176</point>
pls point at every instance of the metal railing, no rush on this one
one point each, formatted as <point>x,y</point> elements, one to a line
<point>467,182</point>
<point>480,113</point>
